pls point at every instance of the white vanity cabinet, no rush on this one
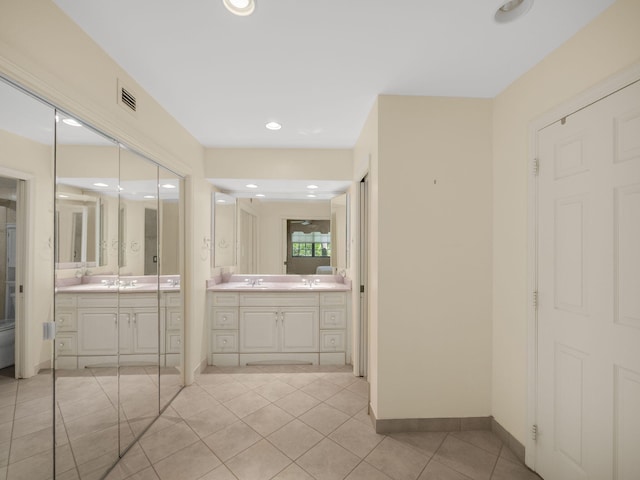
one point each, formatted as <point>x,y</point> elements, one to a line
<point>255,327</point>
<point>93,328</point>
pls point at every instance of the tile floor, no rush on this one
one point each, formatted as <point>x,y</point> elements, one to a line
<point>87,419</point>
<point>300,423</point>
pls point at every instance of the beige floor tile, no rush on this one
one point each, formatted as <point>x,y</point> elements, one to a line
<point>92,423</point>
<point>483,439</point>
<point>341,379</point>
<point>35,406</point>
<point>425,442</point>
<point>295,438</point>
<point>212,379</point>
<point>261,461</point>
<point>167,441</point>
<point>226,391</point>
<point>96,467</point>
<point>293,472</point>
<point>6,413</point>
<point>220,473</point>
<point>438,471</point>
<point>133,462</point>
<point>297,403</point>
<point>347,402</point>
<point>4,453</point>
<point>363,416</point>
<point>37,467</point>
<point>274,390</point>
<point>466,458</point>
<point>255,380</point>
<point>364,471</point>
<point>167,419</point>
<point>356,437</point>
<point>268,419</point>
<point>211,420</point>
<point>246,404</point>
<point>398,461</point>
<point>506,470</point>
<point>299,380</point>
<point>190,463</point>
<point>86,406</point>
<point>146,474</point>
<point>192,400</point>
<point>360,387</point>
<point>324,418</point>
<point>31,444</point>
<point>507,454</point>
<point>328,461</point>
<point>321,389</point>
<point>8,399</point>
<point>6,430</point>
<point>95,445</point>
<point>232,440</point>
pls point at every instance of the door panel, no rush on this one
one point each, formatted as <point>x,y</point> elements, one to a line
<point>300,329</point>
<point>588,289</point>
<point>258,330</point>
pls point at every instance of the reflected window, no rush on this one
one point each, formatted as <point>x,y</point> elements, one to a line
<point>313,244</point>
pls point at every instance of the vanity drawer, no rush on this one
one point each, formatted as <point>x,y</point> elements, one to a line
<point>98,300</point>
<point>223,341</point>
<point>278,299</point>
<point>174,319</point>
<point>333,299</point>
<point>138,300</point>
<point>226,299</point>
<point>174,343</point>
<point>66,344</point>
<point>332,318</point>
<point>172,300</point>
<point>224,318</point>
<point>332,341</point>
<point>66,321</point>
<point>65,300</point>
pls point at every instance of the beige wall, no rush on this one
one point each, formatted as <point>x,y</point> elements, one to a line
<point>608,44</point>
<point>46,52</point>
<point>278,163</point>
<point>434,259</point>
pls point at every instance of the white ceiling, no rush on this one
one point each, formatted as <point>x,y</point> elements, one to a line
<point>316,66</point>
<point>282,190</point>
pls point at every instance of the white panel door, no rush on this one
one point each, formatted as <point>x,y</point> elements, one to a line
<point>97,332</point>
<point>259,329</point>
<point>300,329</point>
<point>589,293</point>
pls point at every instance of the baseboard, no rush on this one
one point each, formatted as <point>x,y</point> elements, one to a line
<point>509,440</point>
<point>453,424</point>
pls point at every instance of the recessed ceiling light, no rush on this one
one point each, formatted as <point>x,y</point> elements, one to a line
<point>221,201</point>
<point>311,195</point>
<point>259,194</point>
<point>240,7</point>
<point>273,126</point>
<point>312,187</point>
<point>100,184</point>
<point>511,10</point>
<point>60,195</point>
<point>168,185</point>
<point>251,185</point>
<point>72,122</point>
<point>149,196</point>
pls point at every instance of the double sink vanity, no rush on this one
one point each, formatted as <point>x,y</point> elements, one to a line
<point>275,319</point>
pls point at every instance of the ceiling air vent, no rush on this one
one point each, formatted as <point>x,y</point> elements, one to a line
<point>127,98</point>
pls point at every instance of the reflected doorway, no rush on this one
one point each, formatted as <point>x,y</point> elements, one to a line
<point>8,267</point>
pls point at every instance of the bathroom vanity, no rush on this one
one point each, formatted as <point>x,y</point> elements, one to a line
<point>96,321</point>
<point>279,319</point>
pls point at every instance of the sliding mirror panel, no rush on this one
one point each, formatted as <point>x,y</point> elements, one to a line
<point>86,298</point>
<point>139,296</point>
<point>26,380</point>
<point>171,229</point>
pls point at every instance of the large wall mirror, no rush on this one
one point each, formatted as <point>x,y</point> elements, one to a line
<point>281,227</point>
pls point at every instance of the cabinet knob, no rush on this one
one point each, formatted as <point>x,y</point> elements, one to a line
<point>180,341</point>
<point>224,342</point>
<point>224,319</point>
<point>333,317</point>
<point>333,341</point>
<point>61,320</point>
<point>61,345</point>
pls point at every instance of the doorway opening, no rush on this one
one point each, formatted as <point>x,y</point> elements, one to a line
<point>8,264</point>
<point>308,246</point>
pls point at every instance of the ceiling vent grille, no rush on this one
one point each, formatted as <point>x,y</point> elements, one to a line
<point>127,98</point>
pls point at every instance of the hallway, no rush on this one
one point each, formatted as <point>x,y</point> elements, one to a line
<point>300,423</point>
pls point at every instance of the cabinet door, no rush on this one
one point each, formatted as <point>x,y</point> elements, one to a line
<point>299,329</point>
<point>124,331</point>
<point>97,332</point>
<point>145,330</point>
<point>259,330</point>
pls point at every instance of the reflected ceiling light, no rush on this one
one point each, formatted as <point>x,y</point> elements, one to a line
<point>100,184</point>
<point>511,10</point>
<point>72,122</point>
<point>311,195</point>
<point>60,195</point>
<point>259,194</point>
<point>168,185</point>
<point>312,187</point>
<point>240,7</point>
<point>149,196</point>
<point>221,201</point>
<point>251,185</point>
<point>273,126</point>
